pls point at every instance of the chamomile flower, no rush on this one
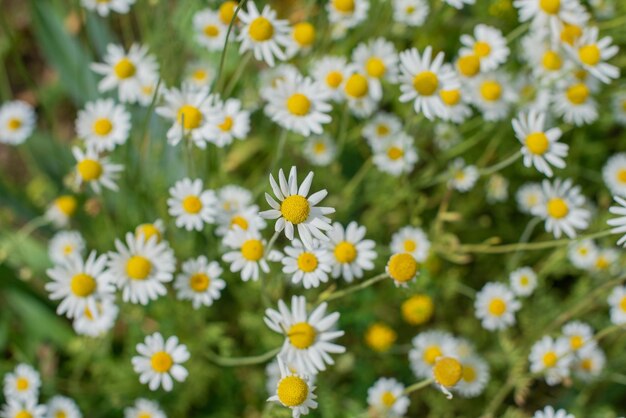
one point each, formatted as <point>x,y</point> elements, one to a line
<point>551,358</point>
<point>330,72</point>
<point>551,14</point>
<point>23,408</point>
<point>458,4</point>
<point>103,8</point>
<point>446,373</point>
<point>299,104</point>
<point>245,218</point>
<point>377,60</point>
<point>320,150</point>
<point>578,335</point>
<point>410,12</point>
<point>563,208</point>
<point>200,74</point>
<point>294,391</point>
<point>230,122</point>
<point>605,261</point>
<point>141,267</point>
<point>467,66</point>
<point>301,39</point>
<point>418,309</point>
<point>62,407</point>
<point>199,282</point>
<point>95,170</point>
<point>463,177</point>
<point>456,103</point>
<point>544,58</point>
<point>488,45</point>
<point>149,230</point>
<point>402,268</point>
<point>540,146</point>
<point>397,155</point>
<point>352,253</point>
<point>422,78</point>
<point>411,240</point>
<point>191,205</point>
<point>307,337</point>
<point>61,210</point>
<point>380,337</point>
<point>592,53</point>
<point>582,254</point>
<point>496,306</point>
<point>347,13</point>
<point>474,378</point>
<point>381,128</point>
<point>17,122</point>
<point>529,196</point>
<point>149,91</point>
<point>263,33</point>
<point>144,408</point>
<point>159,362</point>
<point>550,412</point>
<point>589,363</point>
<point>358,94</point>
<point>247,255</point>
<point>617,302</point>
<point>209,29</point>
<point>79,284</point>
<point>309,266</point>
<point>65,245</point>
<point>614,174</point>
<point>387,397</point>
<point>103,125</point>
<point>189,108</point>
<point>573,102</point>
<point>523,281</point>
<point>126,71</point>
<point>22,383</point>
<point>427,347</point>
<point>232,198</point>
<point>98,322</point>
<point>492,94</point>
<point>296,209</point>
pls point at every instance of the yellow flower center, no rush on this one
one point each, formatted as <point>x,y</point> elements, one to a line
<point>261,29</point>
<point>82,285</point>
<point>66,204</point>
<point>417,309</point>
<point>431,354</point>
<point>394,153</point>
<point>468,65</point>
<point>23,414</point>
<point>482,49</point>
<point>14,124</point>
<point>409,10</point>
<point>345,252</point>
<point>319,147</point>
<point>199,282</point>
<point>578,93</point>
<point>89,169</point>
<point>409,245</point>
<point>292,391</point>
<point>570,33</point>
<point>602,263</point>
<point>192,204</point>
<point>448,371</point>
<point>298,104</point>
<point>622,304</point>
<point>68,249</point>
<point>550,7</point>
<point>334,79</point>
<point>199,75</point>
<point>576,342</point>
<point>307,262</point>
<point>124,68</point>
<point>227,124</point>
<point>302,335</point>
<point>524,280</point>
<point>382,130</point>
<point>148,231</point>
<point>557,208</point>
<point>211,31</point>
<point>402,267</point>
<point>469,373</point>
<point>621,175</point>
<point>550,359</point>
<point>240,221</point>
<point>490,90</point>
<point>450,97</point>
<point>252,250</point>
<point>589,54</point>
<point>22,384</point>
<point>227,11</point>
<point>138,267</point>
<point>375,67</point>
<point>102,126</point>
<point>497,307</point>
<point>552,61</point>
<point>425,83</point>
<point>161,362</point>
<point>586,364</point>
<point>537,143</point>
<point>295,209</point>
<point>60,414</point>
<point>189,116</point>
<point>380,337</point>
<point>388,399</point>
<point>344,6</point>
<point>356,86</point>
<point>304,33</point>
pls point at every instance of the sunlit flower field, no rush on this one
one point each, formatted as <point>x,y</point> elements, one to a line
<point>333,208</point>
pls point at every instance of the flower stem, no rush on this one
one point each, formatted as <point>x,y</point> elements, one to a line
<point>502,164</point>
<point>241,361</point>
<point>417,386</point>
<point>223,55</point>
<point>327,296</point>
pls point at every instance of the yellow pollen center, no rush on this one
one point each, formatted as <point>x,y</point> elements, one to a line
<point>319,147</point>
<point>602,263</point>
<point>199,75</point>
<point>382,130</point>
<point>66,204</point>
<point>450,97</point>
<point>409,245</point>
<point>298,104</point>
<point>302,335</point>
<point>380,337</point>
<point>394,153</point>
<point>60,414</point>
<point>345,252</point>
<point>469,65</point>
<point>344,6</point>
<point>334,79</point>
<point>102,126</point>
<point>578,93</point>
<point>161,362</point>
<point>589,54</point>
<point>68,249</point>
<point>14,124</point>
<point>192,204</point>
<point>189,116</point>
<point>138,267</point>
<point>227,11</point>
<point>261,29</point>
<point>375,67</point>
<point>550,359</point>
<point>418,309</point>
<point>586,364</point>
<point>431,354</point>
<point>409,10</point>
<point>469,374</point>
<point>307,262</point>
<point>622,304</point>
<point>621,175</point>
<point>356,86</point>
<point>292,391</point>
<point>482,49</point>
<point>124,68</point>
<point>82,285</point>
<point>537,143</point>
<point>22,384</point>
<point>89,169</point>
<point>199,282</point>
<point>23,414</point>
<point>252,250</point>
<point>576,342</point>
<point>304,33</point>
<point>148,231</point>
<point>388,399</point>
<point>570,33</point>
<point>524,281</point>
<point>425,83</point>
<point>448,371</point>
<point>557,208</point>
<point>211,31</point>
<point>240,221</point>
<point>552,61</point>
<point>490,90</point>
<point>227,124</point>
<point>295,209</point>
<point>550,7</point>
<point>402,267</point>
<point>497,307</point>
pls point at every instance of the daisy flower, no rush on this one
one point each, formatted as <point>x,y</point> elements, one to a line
<point>330,72</point>
<point>302,38</point>
<point>381,128</point>
<point>614,174</point>
<point>309,266</point>
<point>294,390</point>
<point>191,205</point>
<point>320,150</point>
<point>79,284</point>
<point>573,102</point>
<point>592,54</point>
<point>159,361</point>
<point>464,177</point>
<point>144,408</point>
<point>410,12</point>
<point>488,45</point>
<point>22,383</point>
<point>232,198</point>
<point>523,281</point>
<point>103,125</point>
<point>496,306</point>
<point>540,146</point>
<point>307,337</point>
<point>582,254</point>
<point>411,240</point>
<point>148,91</point>
<point>263,33</point>
<point>226,11</point>
<point>378,60</point>
<point>549,412</point>
<point>126,71</point>
<point>17,122</point>
<point>467,66</point>
<point>446,373</point>
<point>61,210</point>
<point>23,408</point>
<point>427,347</point>
<point>380,337</point>
<point>247,255</point>
<point>65,245</point>
<point>422,78</point>
<point>397,155</point>
<point>458,4</point>
<point>402,268</point>
<point>474,378</point>
<point>99,322</point>
<point>542,55</point>
<point>140,267</point>
<point>296,209</point>
<point>352,253</point>
<point>551,358</point>
<point>563,208</point>
<point>149,230</point>
<point>62,407</point>
<point>299,104</point>
<point>529,196</point>
<point>358,94</point>
<point>347,13</point>
<point>98,171</point>
<point>200,74</point>
<point>418,309</point>
<point>605,261</point>
<point>245,218</point>
<point>578,335</point>
<point>589,363</point>
<point>455,101</point>
<point>387,397</point>
<point>209,29</point>
<point>492,94</point>
<point>103,8</point>
<point>617,302</point>
<point>551,14</point>
<point>229,122</point>
<point>199,282</point>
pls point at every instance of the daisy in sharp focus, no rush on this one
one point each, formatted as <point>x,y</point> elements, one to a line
<point>550,412</point>
<point>22,383</point>
<point>540,146</point>
<point>421,79</point>
<point>617,302</point>
<point>263,33</point>
<point>191,205</point>
<point>61,210</point>
<point>209,29</point>
<point>98,322</point>
<point>229,122</point>
<point>294,391</point>
<point>563,208</point>
<point>104,7</point>
<point>65,245</point>
<point>427,347</point>
<point>463,177</point>
<point>618,223</point>
<point>352,253</point>
<point>103,125</point>
<point>488,45</point>
<point>23,408</point>
<point>523,281</point>
<point>247,253</point>
<point>378,60</point>
<point>614,174</point>
<point>410,12</point>
<point>159,362</point>
<point>144,408</point>
<point>141,267</point>
<point>592,53</point>
<point>496,306</point>
<point>573,102</point>
<point>17,122</point>
<point>309,266</point>
<point>330,72</point>
<point>307,337</point>
<point>551,358</point>
<point>62,407</point>
<point>387,397</point>
<point>80,284</point>
<point>199,282</point>
<point>347,13</point>
<point>411,240</point>
<point>320,150</point>
<point>98,171</point>
<point>294,208</point>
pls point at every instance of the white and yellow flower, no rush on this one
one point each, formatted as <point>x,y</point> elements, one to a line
<point>330,72</point>
<point>62,407</point>
<point>229,122</point>
<point>159,362</point>
<point>191,205</point>
<point>573,102</point>
<point>263,34</point>
<point>589,363</point>
<point>496,306</point>
<point>103,125</point>
<point>232,198</point>
<point>410,12</point>
<point>352,253</point>
<point>95,170</point>
<point>463,177</point>
<point>244,218</point>
<point>617,302</point>
<point>492,94</point>
<point>209,29</point>
<point>377,60</point>
<point>427,347</point>
<point>551,358</point>
<point>347,13</point>
<point>387,397</point>
<point>523,281</point>
<point>411,240</point>
<point>563,209</point>
<point>550,412</point>
<point>99,322</point>
<point>578,336</point>
<point>309,266</point>
<point>65,245</point>
<point>320,150</point>
<point>551,14</point>
<point>474,378</point>
<point>294,391</point>
<point>583,254</point>
<point>104,7</point>
<point>529,196</point>
<point>23,408</point>
<point>488,45</point>
<point>17,122</point>
<point>61,210</point>
<point>592,53</point>
<point>396,155</point>
<point>200,282</point>
<point>248,253</point>
<point>144,408</point>
<point>380,128</point>
<point>22,383</point>
<point>614,174</point>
